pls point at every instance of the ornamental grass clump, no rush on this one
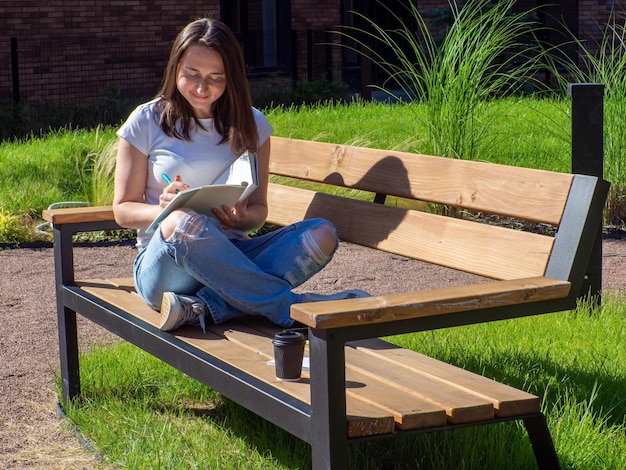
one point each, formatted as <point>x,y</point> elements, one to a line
<point>103,173</point>
<point>486,52</point>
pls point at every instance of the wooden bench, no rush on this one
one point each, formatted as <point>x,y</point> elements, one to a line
<point>359,386</point>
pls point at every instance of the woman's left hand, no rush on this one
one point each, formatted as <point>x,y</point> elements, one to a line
<point>251,213</point>
<point>231,217</point>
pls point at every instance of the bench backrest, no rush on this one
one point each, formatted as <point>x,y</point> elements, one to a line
<point>465,242</point>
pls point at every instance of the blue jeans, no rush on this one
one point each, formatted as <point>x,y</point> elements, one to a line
<point>233,277</point>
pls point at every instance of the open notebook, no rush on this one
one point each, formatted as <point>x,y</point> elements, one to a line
<point>240,179</point>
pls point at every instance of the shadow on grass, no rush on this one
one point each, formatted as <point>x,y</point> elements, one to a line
<point>488,446</point>
<point>552,380</point>
<point>502,445</point>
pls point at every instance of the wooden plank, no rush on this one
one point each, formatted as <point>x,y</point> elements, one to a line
<point>394,307</point>
<point>126,283</point>
<point>373,395</point>
<point>122,298</point>
<point>407,415</point>
<point>460,406</point>
<point>507,401</point>
<point>362,419</point>
<point>408,411</point>
<point>250,350</point>
<point>523,193</point>
<point>78,214</point>
<point>482,249</point>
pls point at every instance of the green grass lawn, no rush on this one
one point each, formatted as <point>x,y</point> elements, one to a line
<point>526,132</point>
<point>61,166</point>
<point>37,172</point>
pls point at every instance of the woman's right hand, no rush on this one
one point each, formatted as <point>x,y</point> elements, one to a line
<point>171,190</point>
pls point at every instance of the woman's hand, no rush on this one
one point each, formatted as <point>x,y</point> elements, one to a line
<point>251,213</point>
<point>170,191</point>
<point>232,217</point>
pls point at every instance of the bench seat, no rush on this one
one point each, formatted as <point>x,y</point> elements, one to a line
<point>387,388</point>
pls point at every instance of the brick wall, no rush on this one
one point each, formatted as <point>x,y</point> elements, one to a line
<point>593,16</point>
<point>71,50</point>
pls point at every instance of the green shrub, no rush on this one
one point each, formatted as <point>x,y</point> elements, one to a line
<point>16,229</point>
<point>21,120</point>
<point>304,93</point>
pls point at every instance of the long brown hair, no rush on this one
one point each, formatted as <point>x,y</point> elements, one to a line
<point>232,112</point>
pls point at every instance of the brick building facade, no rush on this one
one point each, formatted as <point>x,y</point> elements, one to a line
<point>73,51</point>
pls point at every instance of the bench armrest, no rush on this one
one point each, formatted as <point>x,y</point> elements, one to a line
<point>78,215</point>
<point>428,303</point>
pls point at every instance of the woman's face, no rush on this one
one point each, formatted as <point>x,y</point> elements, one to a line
<point>200,79</point>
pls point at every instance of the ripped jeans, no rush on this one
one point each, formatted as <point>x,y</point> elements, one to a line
<point>234,277</point>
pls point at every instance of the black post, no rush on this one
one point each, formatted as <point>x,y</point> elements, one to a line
<point>294,59</point>
<point>309,54</point>
<point>588,159</point>
<point>366,77</point>
<point>66,318</point>
<point>15,71</point>
<point>329,56</point>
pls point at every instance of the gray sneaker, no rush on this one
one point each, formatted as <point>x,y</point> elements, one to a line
<point>178,310</point>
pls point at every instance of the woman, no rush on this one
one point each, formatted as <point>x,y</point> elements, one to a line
<point>196,265</point>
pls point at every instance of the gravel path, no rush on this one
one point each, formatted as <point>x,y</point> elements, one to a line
<point>32,436</point>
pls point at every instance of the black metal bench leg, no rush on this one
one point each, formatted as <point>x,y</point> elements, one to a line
<point>66,318</point>
<point>541,441</point>
<point>68,350</point>
<point>329,442</point>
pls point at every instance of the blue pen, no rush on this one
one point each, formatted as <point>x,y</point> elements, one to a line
<point>168,180</point>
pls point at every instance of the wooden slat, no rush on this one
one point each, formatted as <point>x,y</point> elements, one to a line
<point>507,401</point>
<point>249,351</point>
<point>126,283</point>
<point>477,248</point>
<point>78,214</point>
<point>362,418</point>
<point>383,381</point>
<point>523,193</point>
<point>408,411</point>
<point>395,307</point>
<point>122,298</point>
<point>460,405</point>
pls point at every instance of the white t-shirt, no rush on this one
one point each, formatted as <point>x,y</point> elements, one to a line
<point>198,161</point>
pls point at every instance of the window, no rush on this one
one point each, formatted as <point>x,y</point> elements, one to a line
<point>263,29</point>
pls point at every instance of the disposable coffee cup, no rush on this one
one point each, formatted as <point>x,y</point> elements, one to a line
<point>288,354</point>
